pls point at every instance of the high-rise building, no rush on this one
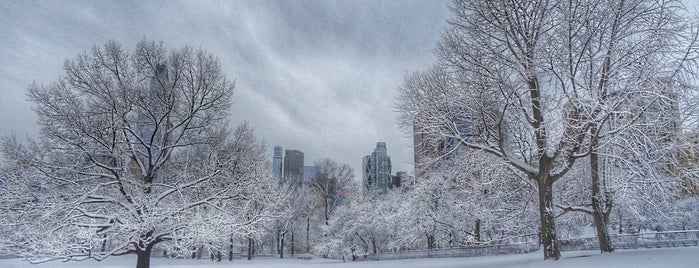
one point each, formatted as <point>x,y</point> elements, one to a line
<point>149,132</point>
<point>378,165</point>
<point>366,171</point>
<point>419,151</point>
<point>293,166</point>
<point>309,173</point>
<point>427,149</point>
<point>277,163</point>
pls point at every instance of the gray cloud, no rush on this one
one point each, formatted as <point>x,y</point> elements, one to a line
<point>319,76</point>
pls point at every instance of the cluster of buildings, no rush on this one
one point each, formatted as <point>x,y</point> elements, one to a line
<point>288,166</point>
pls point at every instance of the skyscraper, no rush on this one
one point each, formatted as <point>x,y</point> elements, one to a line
<point>293,166</point>
<point>149,131</point>
<point>377,168</point>
<point>427,149</point>
<point>277,170</point>
<point>366,172</point>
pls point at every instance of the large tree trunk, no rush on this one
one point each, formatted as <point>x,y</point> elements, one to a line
<point>143,260</point>
<point>547,234</point>
<point>276,241</point>
<point>293,244</point>
<point>601,204</point>
<point>281,245</point>
<point>373,245</point>
<point>249,248</point>
<point>431,241</point>
<point>477,232</point>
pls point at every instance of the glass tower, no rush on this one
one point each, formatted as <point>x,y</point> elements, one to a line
<point>377,168</point>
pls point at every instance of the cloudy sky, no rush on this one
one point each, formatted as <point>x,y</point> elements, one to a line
<point>318,76</point>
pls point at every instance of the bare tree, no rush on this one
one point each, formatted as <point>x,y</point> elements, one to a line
<point>135,151</point>
<point>329,184</point>
<point>291,202</point>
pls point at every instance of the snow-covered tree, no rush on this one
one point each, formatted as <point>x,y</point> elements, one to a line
<point>538,80</point>
<point>292,201</point>
<point>340,236</point>
<point>329,184</point>
<point>368,223</point>
<point>134,151</point>
<point>473,198</point>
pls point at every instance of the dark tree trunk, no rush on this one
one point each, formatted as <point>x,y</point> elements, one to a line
<point>249,248</point>
<point>547,231</point>
<point>281,246</point>
<point>431,241</point>
<point>547,234</point>
<point>326,211</point>
<point>373,245</point>
<point>602,227</point>
<point>308,228</point>
<point>293,244</point>
<point>601,204</point>
<point>477,232</point>
<point>143,260</point>
<point>276,241</point>
<point>104,243</point>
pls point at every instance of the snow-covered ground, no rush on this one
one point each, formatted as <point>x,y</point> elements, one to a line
<point>640,258</point>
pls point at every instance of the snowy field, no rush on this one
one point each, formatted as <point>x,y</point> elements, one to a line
<point>640,258</point>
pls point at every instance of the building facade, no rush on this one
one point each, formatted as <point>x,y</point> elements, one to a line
<point>398,179</point>
<point>149,131</point>
<point>277,164</point>
<point>366,175</point>
<point>309,173</point>
<point>376,169</point>
<point>426,150</point>
<point>293,166</point>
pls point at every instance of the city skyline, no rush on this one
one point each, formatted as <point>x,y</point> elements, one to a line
<point>326,73</point>
<point>309,169</point>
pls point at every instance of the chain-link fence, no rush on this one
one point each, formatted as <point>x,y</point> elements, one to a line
<point>529,243</point>
<point>683,238</point>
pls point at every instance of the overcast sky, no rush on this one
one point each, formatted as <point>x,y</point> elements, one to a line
<point>317,76</point>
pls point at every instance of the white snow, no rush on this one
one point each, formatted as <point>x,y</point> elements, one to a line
<point>639,258</point>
